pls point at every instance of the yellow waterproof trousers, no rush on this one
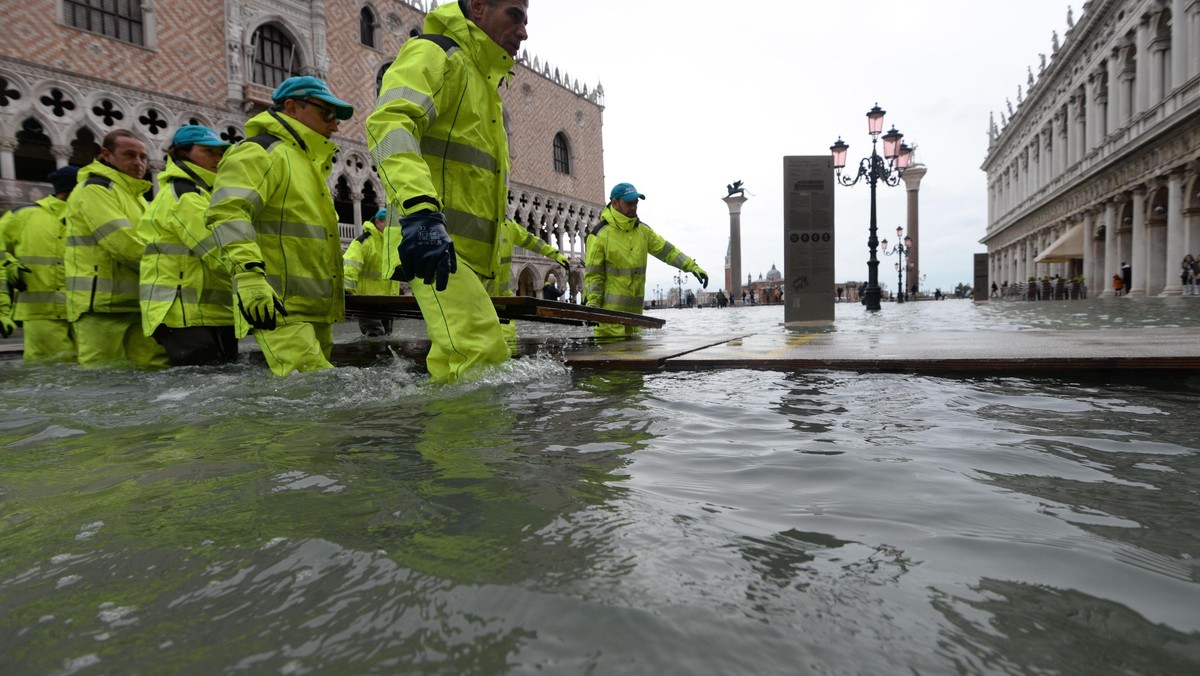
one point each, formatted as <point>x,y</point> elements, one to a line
<point>49,340</point>
<point>609,332</point>
<point>462,326</point>
<point>116,339</point>
<point>299,346</point>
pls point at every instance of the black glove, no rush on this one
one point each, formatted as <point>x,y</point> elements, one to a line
<point>426,251</point>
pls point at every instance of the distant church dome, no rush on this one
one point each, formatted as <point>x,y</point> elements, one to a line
<point>774,275</point>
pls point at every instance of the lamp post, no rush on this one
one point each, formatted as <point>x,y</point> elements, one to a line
<point>658,295</point>
<point>888,168</point>
<point>679,276</point>
<point>903,245</point>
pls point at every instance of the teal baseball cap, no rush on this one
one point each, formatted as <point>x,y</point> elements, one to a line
<point>382,213</point>
<point>625,191</point>
<point>194,134</point>
<point>308,87</point>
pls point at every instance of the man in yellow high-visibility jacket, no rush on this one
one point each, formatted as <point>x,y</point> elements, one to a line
<point>103,254</point>
<point>275,229</point>
<point>614,276</point>
<point>35,236</point>
<point>363,263</point>
<point>438,140</point>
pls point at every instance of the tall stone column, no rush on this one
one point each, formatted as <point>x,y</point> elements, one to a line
<point>8,167</point>
<point>1141,95</point>
<point>357,200</point>
<point>1140,245</point>
<point>912,183</point>
<point>1175,235</point>
<point>735,202</point>
<point>1114,91</point>
<point>1089,248</point>
<point>62,155</point>
<point>1110,250</point>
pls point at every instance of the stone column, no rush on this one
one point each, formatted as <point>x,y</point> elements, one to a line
<point>62,155</point>
<point>1139,260</point>
<point>8,167</point>
<point>1141,94</point>
<point>357,198</point>
<point>1063,121</point>
<point>1110,251</point>
<point>735,202</point>
<point>1176,237</point>
<point>1114,91</point>
<point>1089,247</point>
<point>912,183</point>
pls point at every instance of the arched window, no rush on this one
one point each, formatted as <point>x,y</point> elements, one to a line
<point>562,154</point>
<point>343,203</point>
<point>32,156</point>
<point>379,77</point>
<point>366,26</point>
<point>274,56</point>
<point>370,201</point>
<point>120,19</point>
<point>84,148</point>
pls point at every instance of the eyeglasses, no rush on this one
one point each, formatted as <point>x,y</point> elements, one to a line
<point>328,113</point>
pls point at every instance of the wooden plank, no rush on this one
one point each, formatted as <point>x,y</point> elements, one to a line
<point>525,308</point>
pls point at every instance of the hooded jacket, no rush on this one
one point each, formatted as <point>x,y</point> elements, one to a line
<point>437,137</point>
<point>614,276</point>
<point>364,266</point>
<point>103,251</point>
<point>35,235</point>
<point>271,205</point>
<point>178,289</point>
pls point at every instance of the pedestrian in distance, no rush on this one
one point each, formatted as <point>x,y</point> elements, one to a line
<point>363,268</point>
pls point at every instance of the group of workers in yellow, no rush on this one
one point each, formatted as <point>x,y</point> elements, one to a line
<point>242,239</point>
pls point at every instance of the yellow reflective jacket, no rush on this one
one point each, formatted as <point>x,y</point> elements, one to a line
<point>437,137</point>
<point>271,204</point>
<point>614,275</point>
<point>178,288</point>
<point>512,235</point>
<point>363,262</point>
<point>36,236</point>
<point>103,250</point>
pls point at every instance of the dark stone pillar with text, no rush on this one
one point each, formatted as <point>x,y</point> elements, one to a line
<point>808,242</point>
<point>981,289</point>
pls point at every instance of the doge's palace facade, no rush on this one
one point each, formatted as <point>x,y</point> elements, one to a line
<point>1099,164</point>
<point>73,71</point>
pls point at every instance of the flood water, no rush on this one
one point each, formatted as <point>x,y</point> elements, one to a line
<point>550,520</point>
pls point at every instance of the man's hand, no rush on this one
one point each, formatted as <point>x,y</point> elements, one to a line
<point>561,259</point>
<point>701,276</point>
<point>256,299</point>
<point>426,251</point>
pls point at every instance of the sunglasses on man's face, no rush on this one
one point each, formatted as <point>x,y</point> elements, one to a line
<point>328,113</point>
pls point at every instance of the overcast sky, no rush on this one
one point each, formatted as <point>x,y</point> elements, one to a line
<point>700,93</point>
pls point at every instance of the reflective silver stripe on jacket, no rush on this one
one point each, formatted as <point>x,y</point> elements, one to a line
<point>233,231</point>
<point>301,230</point>
<point>168,249</point>
<point>625,272</point>
<point>620,301</point>
<point>41,260</point>
<point>33,297</point>
<point>411,95</point>
<point>678,260</point>
<point>395,142</point>
<point>128,286</point>
<point>157,293</point>
<point>110,227</point>
<point>81,240</point>
<point>459,152</point>
<point>248,195</point>
<point>470,226</point>
<point>354,263</point>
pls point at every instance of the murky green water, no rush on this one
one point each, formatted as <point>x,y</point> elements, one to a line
<point>557,521</point>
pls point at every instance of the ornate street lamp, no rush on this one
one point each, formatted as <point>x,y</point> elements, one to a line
<point>679,277</point>
<point>874,169</point>
<point>903,245</point>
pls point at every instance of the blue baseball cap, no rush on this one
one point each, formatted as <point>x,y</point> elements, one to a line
<point>625,191</point>
<point>194,134</point>
<point>308,87</point>
<point>382,213</point>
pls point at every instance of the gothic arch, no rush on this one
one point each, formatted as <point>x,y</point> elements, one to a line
<point>277,21</point>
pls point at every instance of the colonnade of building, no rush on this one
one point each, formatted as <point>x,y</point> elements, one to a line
<point>1098,165</point>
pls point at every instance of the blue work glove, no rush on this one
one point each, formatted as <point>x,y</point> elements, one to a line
<point>426,251</point>
<point>561,259</point>
<point>701,275</point>
<point>256,299</point>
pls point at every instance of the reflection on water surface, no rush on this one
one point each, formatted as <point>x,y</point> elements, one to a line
<point>355,521</point>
